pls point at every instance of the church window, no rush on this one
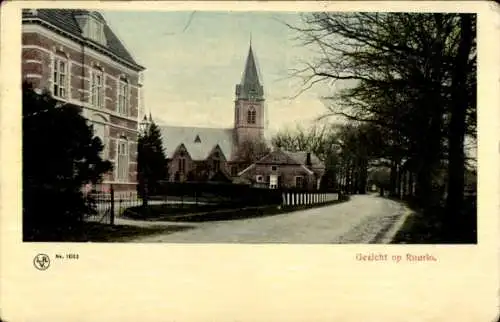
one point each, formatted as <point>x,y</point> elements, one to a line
<point>182,165</point>
<point>251,117</point>
<point>216,165</point>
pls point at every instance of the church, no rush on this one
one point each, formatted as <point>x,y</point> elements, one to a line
<point>214,154</point>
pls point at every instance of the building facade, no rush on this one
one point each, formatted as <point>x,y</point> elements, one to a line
<point>76,56</point>
<point>284,169</point>
<point>200,154</point>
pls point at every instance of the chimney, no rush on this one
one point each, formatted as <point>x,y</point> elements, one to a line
<point>308,159</point>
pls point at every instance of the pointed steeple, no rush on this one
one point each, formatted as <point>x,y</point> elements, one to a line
<point>250,85</point>
<point>250,74</point>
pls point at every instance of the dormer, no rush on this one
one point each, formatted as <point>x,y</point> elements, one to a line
<point>92,25</point>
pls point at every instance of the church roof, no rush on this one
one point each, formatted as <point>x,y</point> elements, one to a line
<point>65,20</point>
<point>251,72</point>
<point>199,141</point>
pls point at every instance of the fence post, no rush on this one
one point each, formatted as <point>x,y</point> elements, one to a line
<point>112,214</point>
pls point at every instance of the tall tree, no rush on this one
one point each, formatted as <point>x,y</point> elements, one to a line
<point>402,70</point>
<point>318,139</point>
<point>151,161</point>
<point>461,102</point>
<point>60,156</point>
<point>250,151</point>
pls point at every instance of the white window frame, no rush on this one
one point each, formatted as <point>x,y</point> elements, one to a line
<point>97,120</point>
<point>259,178</point>
<point>96,30</point>
<point>273,184</point>
<point>122,160</point>
<point>62,90</point>
<point>123,93</point>
<point>96,89</point>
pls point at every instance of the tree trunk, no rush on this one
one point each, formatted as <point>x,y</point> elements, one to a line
<point>404,191</point>
<point>393,179</point>
<point>457,126</point>
<point>411,180</point>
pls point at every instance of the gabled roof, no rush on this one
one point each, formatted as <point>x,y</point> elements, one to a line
<point>280,157</point>
<point>173,136</point>
<point>301,157</point>
<point>65,19</point>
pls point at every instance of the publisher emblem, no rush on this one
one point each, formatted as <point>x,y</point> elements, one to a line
<point>41,262</point>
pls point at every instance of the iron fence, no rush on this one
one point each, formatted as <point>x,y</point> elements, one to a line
<point>106,205</point>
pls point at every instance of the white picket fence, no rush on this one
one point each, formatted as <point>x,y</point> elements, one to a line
<point>304,198</point>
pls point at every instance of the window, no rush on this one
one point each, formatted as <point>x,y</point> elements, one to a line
<point>100,132</point>
<point>299,182</point>
<point>273,182</point>
<point>259,178</point>
<point>182,165</point>
<point>216,165</point>
<point>197,139</point>
<point>274,168</point>
<point>60,78</point>
<point>97,88</point>
<point>95,31</point>
<point>123,97</point>
<point>251,116</point>
<point>122,162</point>
<point>234,171</point>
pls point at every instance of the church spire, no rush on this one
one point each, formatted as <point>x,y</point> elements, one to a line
<point>250,74</point>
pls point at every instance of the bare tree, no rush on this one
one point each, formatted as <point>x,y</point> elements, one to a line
<point>250,151</point>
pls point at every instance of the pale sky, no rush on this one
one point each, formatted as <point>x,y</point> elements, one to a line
<point>192,72</point>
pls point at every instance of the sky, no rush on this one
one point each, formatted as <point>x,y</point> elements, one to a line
<point>193,61</point>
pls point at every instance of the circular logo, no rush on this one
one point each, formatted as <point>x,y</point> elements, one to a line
<point>41,262</point>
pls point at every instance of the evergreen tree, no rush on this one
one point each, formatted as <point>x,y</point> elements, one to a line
<point>152,164</point>
<point>60,156</point>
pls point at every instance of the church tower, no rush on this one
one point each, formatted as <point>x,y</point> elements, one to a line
<point>249,104</point>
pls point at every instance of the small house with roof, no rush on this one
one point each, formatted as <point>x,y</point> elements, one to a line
<point>284,169</point>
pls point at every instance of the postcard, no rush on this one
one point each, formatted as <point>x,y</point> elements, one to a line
<point>250,161</point>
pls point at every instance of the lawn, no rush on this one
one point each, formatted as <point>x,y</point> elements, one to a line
<point>201,213</point>
<point>97,232</point>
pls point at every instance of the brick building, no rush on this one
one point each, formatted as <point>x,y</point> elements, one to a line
<point>285,169</point>
<point>197,153</point>
<point>76,56</point>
